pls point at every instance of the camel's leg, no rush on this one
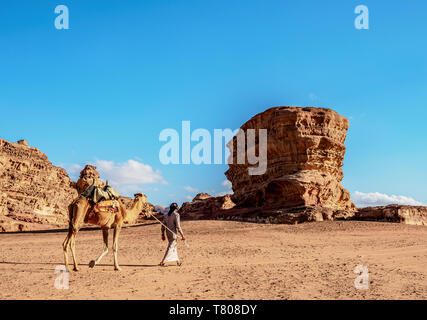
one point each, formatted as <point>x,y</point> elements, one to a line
<point>105,250</point>
<point>65,247</point>
<point>73,249</point>
<point>116,247</point>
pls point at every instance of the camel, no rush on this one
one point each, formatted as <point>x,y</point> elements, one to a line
<point>78,211</point>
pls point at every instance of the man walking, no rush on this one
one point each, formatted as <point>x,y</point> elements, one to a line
<point>172,221</point>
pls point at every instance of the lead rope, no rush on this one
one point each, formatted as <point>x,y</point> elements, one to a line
<point>185,241</point>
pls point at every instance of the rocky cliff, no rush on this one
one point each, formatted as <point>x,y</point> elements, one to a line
<point>32,191</point>
<point>205,206</point>
<point>35,194</point>
<point>416,215</point>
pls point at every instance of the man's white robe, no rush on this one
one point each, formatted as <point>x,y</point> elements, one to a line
<point>172,221</point>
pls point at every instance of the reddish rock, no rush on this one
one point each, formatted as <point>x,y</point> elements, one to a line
<point>302,181</point>
<point>34,194</point>
<point>88,176</point>
<point>202,196</point>
<point>204,206</point>
<point>23,142</point>
<point>416,215</point>
<point>305,152</point>
<point>32,190</point>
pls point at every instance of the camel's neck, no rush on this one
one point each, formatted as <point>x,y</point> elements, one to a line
<point>134,211</point>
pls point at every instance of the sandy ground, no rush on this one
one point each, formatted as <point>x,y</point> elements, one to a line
<point>226,260</point>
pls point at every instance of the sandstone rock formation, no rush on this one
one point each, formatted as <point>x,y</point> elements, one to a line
<point>305,152</point>
<point>34,194</point>
<point>23,142</point>
<point>32,190</point>
<point>416,215</point>
<point>202,196</point>
<point>205,206</point>
<point>88,176</point>
<point>302,181</point>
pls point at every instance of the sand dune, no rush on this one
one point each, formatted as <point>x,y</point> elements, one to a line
<point>226,260</point>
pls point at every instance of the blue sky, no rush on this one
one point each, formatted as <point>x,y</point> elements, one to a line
<point>102,91</point>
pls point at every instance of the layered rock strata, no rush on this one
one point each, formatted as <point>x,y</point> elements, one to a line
<point>32,189</point>
<point>205,206</point>
<point>305,152</point>
<point>415,215</point>
<point>35,194</point>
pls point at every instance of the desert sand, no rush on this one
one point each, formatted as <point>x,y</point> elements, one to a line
<point>226,260</point>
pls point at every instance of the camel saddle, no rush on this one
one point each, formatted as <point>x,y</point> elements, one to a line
<point>103,213</point>
<point>96,194</point>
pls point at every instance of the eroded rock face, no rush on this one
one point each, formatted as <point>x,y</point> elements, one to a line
<point>88,176</point>
<point>305,153</point>
<point>302,181</point>
<point>32,190</point>
<point>416,215</point>
<point>34,194</point>
<point>204,206</point>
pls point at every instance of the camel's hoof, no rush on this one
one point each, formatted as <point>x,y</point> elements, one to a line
<point>117,269</point>
<point>92,264</point>
<point>76,269</point>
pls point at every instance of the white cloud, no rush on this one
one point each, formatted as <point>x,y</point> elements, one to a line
<point>189,198</point>
<point>131,172</point>
<point>227,184</point>
<point>380,199</point>
<point>127,177</point>
<point>190,189</point>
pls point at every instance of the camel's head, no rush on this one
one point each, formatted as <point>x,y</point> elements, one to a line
<point>141,198</point>
<point>138,196</point>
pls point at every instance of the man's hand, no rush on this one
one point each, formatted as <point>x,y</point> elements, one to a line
<point>163,237</point>
<point>183,238</point>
